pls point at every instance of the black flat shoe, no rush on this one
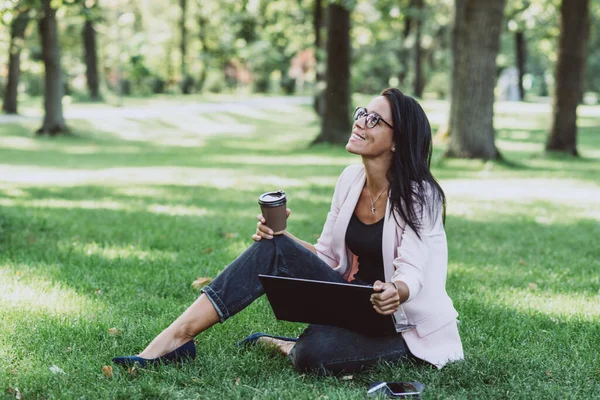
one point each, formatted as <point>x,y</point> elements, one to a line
<point>184,352</point>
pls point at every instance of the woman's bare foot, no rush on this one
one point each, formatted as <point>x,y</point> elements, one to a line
<point>167,341</point>
<point>282,346</point>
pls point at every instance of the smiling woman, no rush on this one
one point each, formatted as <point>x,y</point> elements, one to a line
<point>404,258</point>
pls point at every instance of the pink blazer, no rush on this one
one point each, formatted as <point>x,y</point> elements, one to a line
<point>421,264</point>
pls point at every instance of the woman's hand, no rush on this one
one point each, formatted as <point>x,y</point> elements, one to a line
<point>387,300</point>
<point>262,230</point>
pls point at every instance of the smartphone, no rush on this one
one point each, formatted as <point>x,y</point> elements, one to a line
<point>402,390</point>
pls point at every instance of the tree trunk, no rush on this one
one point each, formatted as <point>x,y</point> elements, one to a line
<point>570,72</point>
<point>521,54</point>
<point>54,122</point>
<point>205,51</point>
<point>419,81</point>
<point>91,59</point>
<point>17,39</point>
<point>476,41</point>
<point>335,126</point>
<point>317,25</point>
<point>186,86</point>
<point>403,53</point>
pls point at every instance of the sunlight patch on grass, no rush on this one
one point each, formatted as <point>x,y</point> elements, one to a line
<point>70,204</point>
<point>550,303</point>
<point>26,293</point>
<point>281,160</point>
<point>177,129</point>
<point>529,147</point>
<point>167,209</point>
<point>558,191</point>
<point>20,143</point>
<point>113,252</point>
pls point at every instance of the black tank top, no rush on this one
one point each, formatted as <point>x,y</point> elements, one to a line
<point>364,241</point>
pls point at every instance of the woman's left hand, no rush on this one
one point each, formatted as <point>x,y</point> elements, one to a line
<point>387,300</point>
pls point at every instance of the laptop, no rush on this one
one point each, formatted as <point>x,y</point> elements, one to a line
<point>328,303</point>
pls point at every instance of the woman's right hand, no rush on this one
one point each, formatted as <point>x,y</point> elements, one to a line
<point>262,230</point>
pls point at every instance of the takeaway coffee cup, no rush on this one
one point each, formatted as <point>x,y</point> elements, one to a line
<point>272,205</point>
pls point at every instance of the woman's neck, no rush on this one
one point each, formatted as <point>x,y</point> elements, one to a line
<point>376,171</point>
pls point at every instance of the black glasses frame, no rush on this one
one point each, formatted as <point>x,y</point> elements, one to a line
<point>360,112</point>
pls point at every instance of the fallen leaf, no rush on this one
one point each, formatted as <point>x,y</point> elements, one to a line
<point>548,373</point>
<point>522,262</point>
<point>114,331</point>
<point>132,371</point>
<point>230,235</point>
<point>14,392</point>
<point>347,377</point>
<point>98,291</point>
<point>237,381</point>
<point>56,370</point>
<point>107,370</point>
<point>532,286</point>
<point>208,250</point>
<point>198,283</point>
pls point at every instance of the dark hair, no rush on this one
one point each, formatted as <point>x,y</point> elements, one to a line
<point>413,189</point>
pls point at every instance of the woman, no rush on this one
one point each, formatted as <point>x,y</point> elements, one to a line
<point>385,228</point>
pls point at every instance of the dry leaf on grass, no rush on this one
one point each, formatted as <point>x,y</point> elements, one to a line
<point>107,370</point>
<point>114,331</point>
<point>208,250</point>
<point>132,371</point>
<point>347,377</point>
<point>532,286</point>
<point>14,392</point>
<point>198,283</point>
<point>56,370</point>
<point>522,262</point>
<point>237,381</point>
<point>230,235</point>
<point>98,291</point>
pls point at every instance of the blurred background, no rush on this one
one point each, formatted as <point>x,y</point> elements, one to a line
<point>111,50</point>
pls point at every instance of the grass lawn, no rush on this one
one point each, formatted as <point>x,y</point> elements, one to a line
<point>102,234</point>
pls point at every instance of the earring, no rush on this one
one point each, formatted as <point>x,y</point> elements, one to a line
<point>394,148</point>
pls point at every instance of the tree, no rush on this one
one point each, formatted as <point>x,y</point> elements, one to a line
<point>186,81</point>
<point>476,40</point>
<point>17,38</point>
<point>521,56</point>
<point>335,125</point>
<point>419,79</point>
<point>90,53</point>
<point>54,122</point>
<point>570,72</point>
<point>317,25</point>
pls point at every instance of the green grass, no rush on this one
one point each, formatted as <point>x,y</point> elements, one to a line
<point>109,228</point>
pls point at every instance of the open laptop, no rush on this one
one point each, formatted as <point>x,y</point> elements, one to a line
<point>328,303</point>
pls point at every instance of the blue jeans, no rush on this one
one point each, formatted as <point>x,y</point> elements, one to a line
<point>320,349</point>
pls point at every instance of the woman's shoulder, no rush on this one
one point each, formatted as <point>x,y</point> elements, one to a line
<point>352,171</point>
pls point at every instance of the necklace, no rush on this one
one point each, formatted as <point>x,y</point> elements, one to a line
<point>377,198</point>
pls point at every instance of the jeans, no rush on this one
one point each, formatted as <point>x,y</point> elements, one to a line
<point>320,349</point>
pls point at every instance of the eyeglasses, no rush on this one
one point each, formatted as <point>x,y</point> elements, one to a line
<point>371,118</point>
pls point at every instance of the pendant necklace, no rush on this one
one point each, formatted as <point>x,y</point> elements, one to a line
<point>377,198</point>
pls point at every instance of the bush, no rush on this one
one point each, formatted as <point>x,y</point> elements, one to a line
<point>33,84</point>
<point>157,85</point>
<point>187,84</point>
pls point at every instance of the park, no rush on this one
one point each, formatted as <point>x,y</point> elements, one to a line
<point>117,206</point>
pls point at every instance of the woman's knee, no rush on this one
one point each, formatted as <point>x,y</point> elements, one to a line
<point>307,359</point>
